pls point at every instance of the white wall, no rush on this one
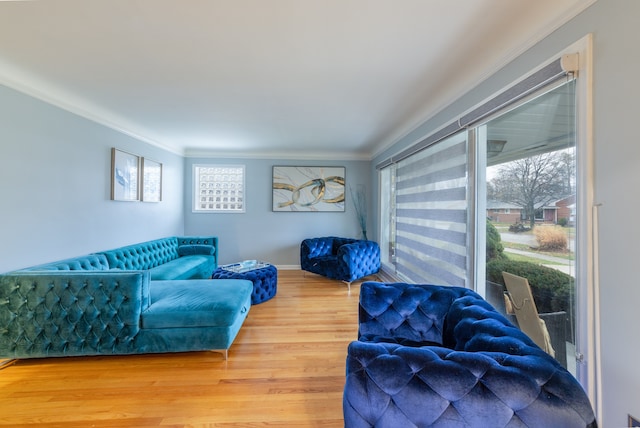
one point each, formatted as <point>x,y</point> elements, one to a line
<point>55,186</point>
<point>614,25</point>
<point>617,168</point>
<point>262,234</point>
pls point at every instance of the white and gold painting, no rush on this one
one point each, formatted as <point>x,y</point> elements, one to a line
<point>308,188</point>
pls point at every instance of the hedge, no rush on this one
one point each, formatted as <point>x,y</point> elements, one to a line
<point>552,290</point>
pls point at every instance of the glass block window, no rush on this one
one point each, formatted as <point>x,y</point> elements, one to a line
<point>218,188</point>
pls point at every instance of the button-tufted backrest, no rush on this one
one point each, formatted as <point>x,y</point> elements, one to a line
<point>60,314</point>
<point>88,262</point>
<point>145,255</point>
<point>315,247</point>
<point>198,240</point>
<point>404,312</point>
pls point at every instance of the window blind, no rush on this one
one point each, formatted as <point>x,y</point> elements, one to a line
<point>431,214</point>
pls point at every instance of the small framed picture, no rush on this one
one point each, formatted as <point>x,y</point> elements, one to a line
<point>151,180</point>
<point>125,176</point>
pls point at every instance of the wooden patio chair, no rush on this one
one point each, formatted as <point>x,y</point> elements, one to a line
<point>524,307</point>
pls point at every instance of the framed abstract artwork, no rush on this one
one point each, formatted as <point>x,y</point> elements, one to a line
<point>308,188</point>
<point>151,180</point>
<point>125,176</point>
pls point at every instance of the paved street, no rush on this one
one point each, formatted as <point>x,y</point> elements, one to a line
<point>519,238</point>
<point>527,239</point>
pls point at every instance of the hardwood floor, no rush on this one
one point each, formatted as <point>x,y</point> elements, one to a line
<point>285,369</point>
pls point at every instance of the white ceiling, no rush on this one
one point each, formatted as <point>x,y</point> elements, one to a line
<point>333,79</point>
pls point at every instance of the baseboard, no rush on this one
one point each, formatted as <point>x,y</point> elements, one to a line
<point>287,267</point>
<point>387,277</point>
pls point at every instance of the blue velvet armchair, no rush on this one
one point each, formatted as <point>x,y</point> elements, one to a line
<point>438,356</point>
<point>344,259</point>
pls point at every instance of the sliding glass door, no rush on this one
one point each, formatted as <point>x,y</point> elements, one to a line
<point>497,197</point>
<point>527,188</point>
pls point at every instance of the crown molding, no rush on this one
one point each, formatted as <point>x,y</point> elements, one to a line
<point>27,83</point>
<point>211,153</point>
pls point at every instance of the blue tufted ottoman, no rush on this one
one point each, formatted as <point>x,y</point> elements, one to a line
<point>264,277</point>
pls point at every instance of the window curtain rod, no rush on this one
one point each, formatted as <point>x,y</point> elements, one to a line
<point>561,67</point>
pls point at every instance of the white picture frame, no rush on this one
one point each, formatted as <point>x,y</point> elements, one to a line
<point>125,176</point>
<point>151,182</point>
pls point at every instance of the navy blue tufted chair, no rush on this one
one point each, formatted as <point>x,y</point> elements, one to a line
<point>345,259</point>
<point>438,356</point>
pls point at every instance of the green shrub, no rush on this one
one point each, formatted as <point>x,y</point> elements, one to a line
<point>494,243</point>
<point>563,222</point>
<point>551,289</point>
<point>518,228</point>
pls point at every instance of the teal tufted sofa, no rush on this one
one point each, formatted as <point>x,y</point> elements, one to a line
<point>150,297</point>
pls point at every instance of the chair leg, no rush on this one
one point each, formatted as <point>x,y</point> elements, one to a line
<point>348,285</point>
<point>224,352</point>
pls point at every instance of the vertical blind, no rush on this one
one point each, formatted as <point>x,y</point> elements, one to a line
<point>431,214</point>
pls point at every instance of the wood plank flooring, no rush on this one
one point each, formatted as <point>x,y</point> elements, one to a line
<point>285,369</point>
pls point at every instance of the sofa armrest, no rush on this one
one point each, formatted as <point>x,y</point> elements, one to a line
<point>394,385</point>
<point>70,313</point>
<point>472,324</point>
<point>198,240</point>
<point>198,245</point>
<point>359,259</point>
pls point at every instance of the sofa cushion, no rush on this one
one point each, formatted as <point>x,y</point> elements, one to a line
<point>192,250</point>
<point>188,267</point>
<point>197,303</point>
<point>336,243</point>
